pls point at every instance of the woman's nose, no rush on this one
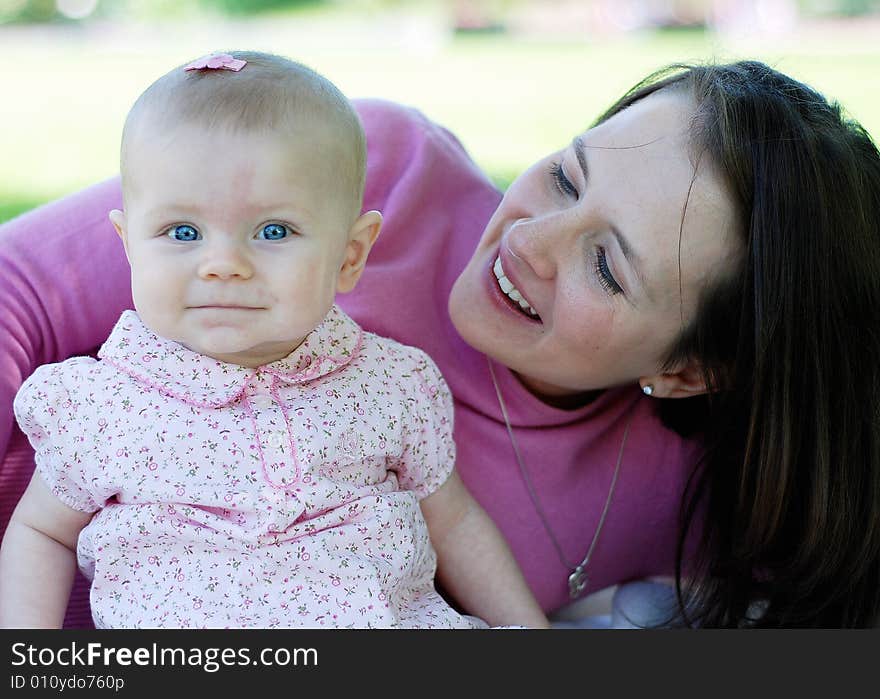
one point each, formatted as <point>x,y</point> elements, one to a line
<point>537,243</point>
<point>225,260</point>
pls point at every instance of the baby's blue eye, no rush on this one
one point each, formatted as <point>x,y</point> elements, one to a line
<point>184,233</point>
<point>273,231</point>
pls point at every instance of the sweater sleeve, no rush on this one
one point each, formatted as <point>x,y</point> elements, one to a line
<point>64,281</point>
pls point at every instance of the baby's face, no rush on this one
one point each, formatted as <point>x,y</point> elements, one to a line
<point>235,240</point>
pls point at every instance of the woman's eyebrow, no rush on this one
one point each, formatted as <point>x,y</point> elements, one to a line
<point>580,151</point>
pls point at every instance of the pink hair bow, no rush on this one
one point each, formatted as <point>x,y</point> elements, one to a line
<point>216,61</point>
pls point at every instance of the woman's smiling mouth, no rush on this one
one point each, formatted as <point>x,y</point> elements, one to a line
<point>511,292</point>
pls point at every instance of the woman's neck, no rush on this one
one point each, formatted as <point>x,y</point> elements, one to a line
<point>556,397</point>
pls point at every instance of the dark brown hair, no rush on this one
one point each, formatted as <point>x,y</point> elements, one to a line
<point>788,494</point>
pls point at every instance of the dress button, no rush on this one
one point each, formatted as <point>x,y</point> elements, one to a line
<point>276,439</point>
<point>262,401</point>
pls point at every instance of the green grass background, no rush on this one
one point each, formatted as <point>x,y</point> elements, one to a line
<point>65,89</point>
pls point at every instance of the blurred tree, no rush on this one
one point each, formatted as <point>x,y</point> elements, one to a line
<point>28,11</point>
<point>149,9</point>
<point>246,7</point>
<point>858,7</point>
<point>32,11</point>
<point>839,7</point>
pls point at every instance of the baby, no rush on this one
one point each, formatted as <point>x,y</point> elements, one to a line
<point>242,454</point>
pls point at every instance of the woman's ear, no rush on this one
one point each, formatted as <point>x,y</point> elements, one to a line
<point>361,237</point>
<point>683,383</point>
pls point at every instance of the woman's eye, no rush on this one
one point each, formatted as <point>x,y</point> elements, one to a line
<point>184,233</point>
<point>563,184</point>
<point>606,279</point>
<point>273,231</point>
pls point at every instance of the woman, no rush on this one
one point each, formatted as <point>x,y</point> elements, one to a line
<point>711,241</point>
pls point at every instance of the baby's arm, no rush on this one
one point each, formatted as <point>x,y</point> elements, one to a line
<point>38,559</point>
<point>474,562</point>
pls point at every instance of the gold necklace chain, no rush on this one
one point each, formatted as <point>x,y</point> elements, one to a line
<point>578,579</point>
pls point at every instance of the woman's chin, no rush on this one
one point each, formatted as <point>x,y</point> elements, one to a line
<point>476,322</point>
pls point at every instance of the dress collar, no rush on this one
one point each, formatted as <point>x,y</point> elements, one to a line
<point>171,368</point>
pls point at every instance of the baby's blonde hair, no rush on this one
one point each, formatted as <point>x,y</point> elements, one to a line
<point>271,94</point>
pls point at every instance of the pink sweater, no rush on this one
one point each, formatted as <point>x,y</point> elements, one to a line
<point>64,281</point>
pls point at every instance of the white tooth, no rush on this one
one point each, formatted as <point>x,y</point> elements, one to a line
<point>510,290</point>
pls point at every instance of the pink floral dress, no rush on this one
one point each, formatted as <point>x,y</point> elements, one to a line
<point>283,496</point>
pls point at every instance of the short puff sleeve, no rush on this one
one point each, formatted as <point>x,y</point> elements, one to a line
<point>53,421</point>
<point>428,457</point>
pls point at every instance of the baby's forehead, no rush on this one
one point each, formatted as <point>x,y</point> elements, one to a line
<point>185,166</point>
<point>317,137</point>
<point>307,150</point>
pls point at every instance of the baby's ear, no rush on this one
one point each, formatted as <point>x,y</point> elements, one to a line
<point>117,218</point>
<point>362,235</point>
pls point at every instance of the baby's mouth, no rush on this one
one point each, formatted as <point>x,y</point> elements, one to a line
<point>511,292</point>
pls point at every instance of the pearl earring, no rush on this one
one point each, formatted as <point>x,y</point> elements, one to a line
<point>647,389</point>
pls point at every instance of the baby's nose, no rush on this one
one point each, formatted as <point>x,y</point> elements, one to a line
<point>225,261</point>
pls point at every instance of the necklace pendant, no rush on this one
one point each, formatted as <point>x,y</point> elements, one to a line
<point>577,582</point>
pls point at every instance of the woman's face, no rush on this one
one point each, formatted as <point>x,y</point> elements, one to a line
<point>587,271</point>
